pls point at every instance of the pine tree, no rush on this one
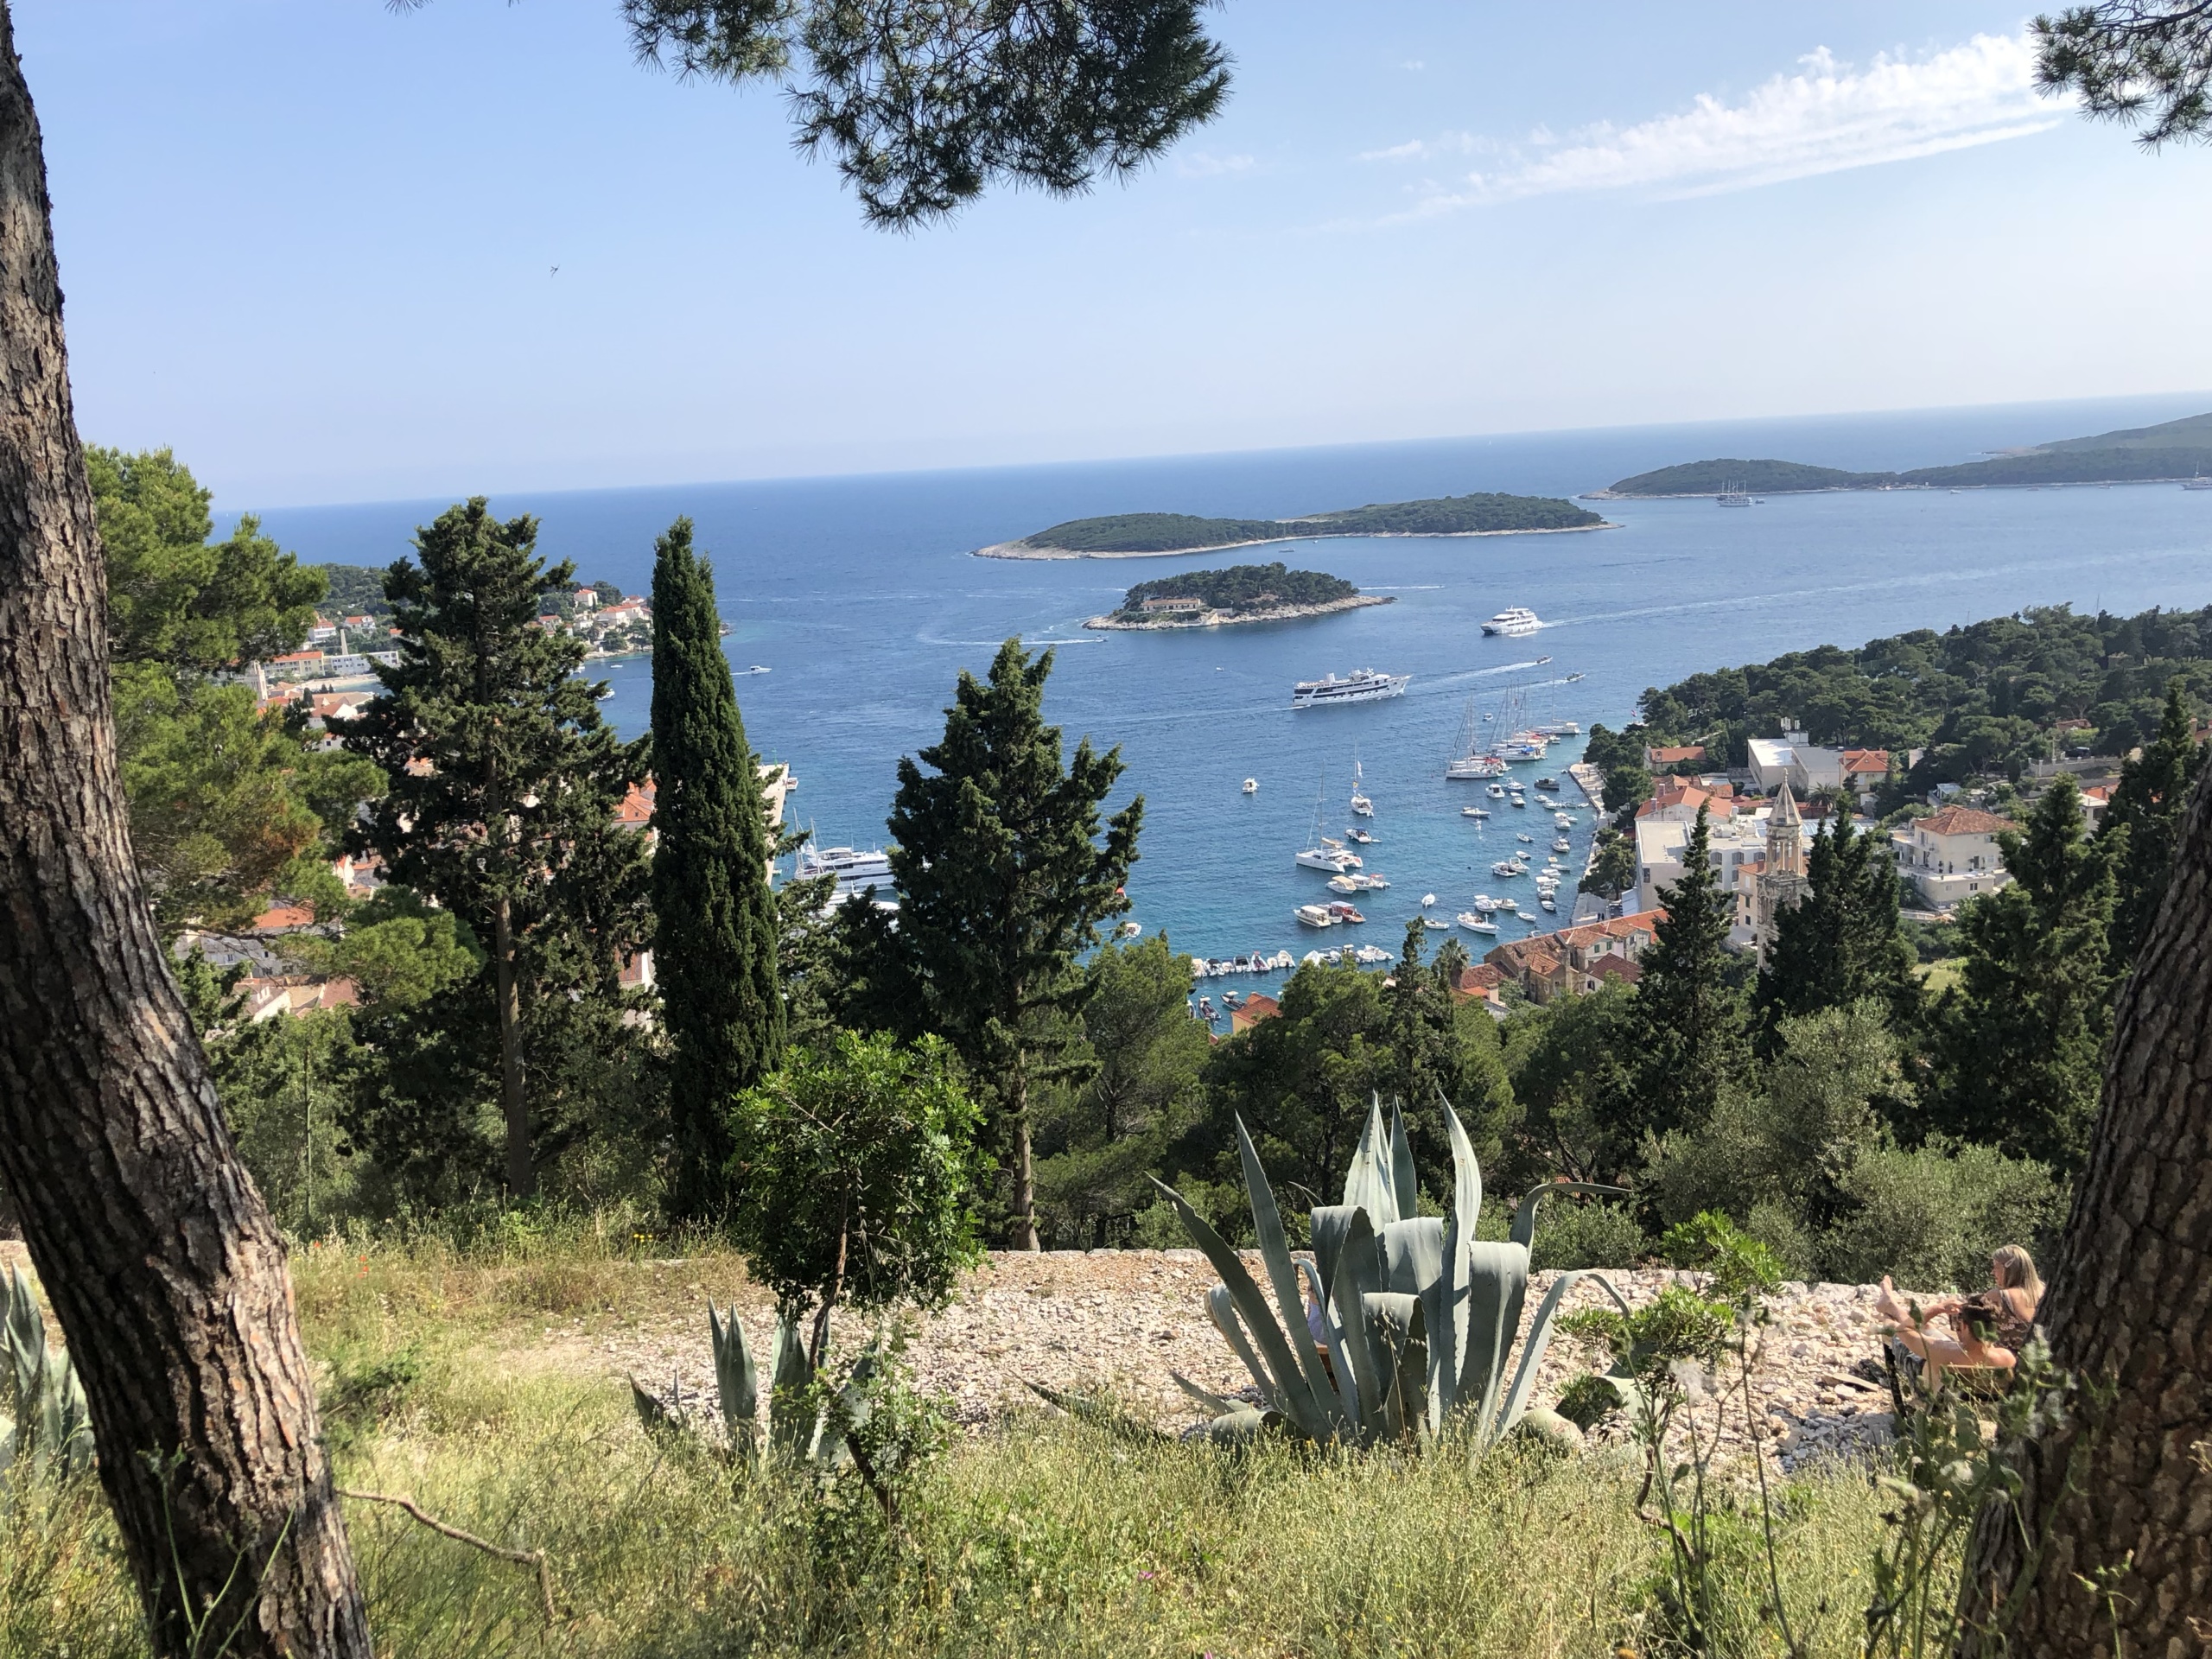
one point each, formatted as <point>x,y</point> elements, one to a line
<point>2021,1039</point>
<point>1843,942</point>
<point>715,931</point>
<point>1003,878</point>
<point>1688,1017</point>
<point>2146,808</point>
<point>504,788</point>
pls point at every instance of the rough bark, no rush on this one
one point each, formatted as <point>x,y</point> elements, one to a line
<point>1025,1165</point>
<point>152,1244</point>
<point>2130,1303</point>
<point>522,1167</point>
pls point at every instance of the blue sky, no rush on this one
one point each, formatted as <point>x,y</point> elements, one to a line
<point>311,246</point>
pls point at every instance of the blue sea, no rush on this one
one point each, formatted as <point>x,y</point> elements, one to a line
<point>862,599</point>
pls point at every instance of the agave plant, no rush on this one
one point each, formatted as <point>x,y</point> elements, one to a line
<point>800,1427</point>
<point>44,1424</point>
<point>1412,1317</point>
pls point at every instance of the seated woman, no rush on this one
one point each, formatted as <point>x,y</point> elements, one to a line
<point>1988,1327</point>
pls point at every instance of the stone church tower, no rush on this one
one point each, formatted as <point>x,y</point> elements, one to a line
<point>1782,883</point>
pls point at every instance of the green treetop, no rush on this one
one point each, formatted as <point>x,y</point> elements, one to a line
<point>1003,877</point>
<point>715,939</point>
<point>1689,1023</point>
<point>504,788</point>
<point>1843,941</point>
<point>2146,808</point>
<point>2021,1039</point>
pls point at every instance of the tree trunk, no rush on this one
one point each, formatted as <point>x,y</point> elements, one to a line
<point>2130,1303</point>
<point>522,1169</point>
<point>151,1242</point>
<point>1025,1163</point>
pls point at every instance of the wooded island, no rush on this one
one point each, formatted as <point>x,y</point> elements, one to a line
<point>1147,535</point>
<point>1242,593</point>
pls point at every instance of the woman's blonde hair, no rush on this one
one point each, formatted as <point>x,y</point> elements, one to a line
<point>2016,1270</point>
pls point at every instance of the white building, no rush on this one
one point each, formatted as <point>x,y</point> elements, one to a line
<point>1735,847</point>
<point>1794,760</point>
<point>1952,855</point>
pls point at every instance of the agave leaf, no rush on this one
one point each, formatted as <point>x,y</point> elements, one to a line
<point>1285,1380</point>
<point>1084,1408</point>
<point>1359,1275</point>
<point>1524,1218</point>
<point>1213,1402</point>
<point>736,1379</point>
<point>1347,1386</point>
<point>1221,1308</point>
<point>1415,1262</point>
<point>1405,1180</point>
<point>1448,1325</point>
<point>789,1427</point>
<point>657,1418</point>
<point>1367,1183</point>
<point>1497,1280</point>
<point>1320,1400</point>
<point>1328,1223</point>
<point>1532,1350</point>
<point>1397,1334</point>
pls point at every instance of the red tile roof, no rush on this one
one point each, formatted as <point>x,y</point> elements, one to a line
<point>637,809</point>
<point>1254,1008</point>
<point>1964,821</point>
<point>1673,754</point>
<point>1866,761</point>
<point>282,919</point>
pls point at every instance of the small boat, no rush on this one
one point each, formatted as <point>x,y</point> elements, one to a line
<point>1427,900</point>
<point>1346,884</point>
<point>1496,791</point>
<point>1434,921</point>
<point>1562,845</point>
<point>1314,916</point>
<point>1484,903</point>
<point>2200,482</point>
<point>1360,836</point>
<point>1573,677</point>
<point>1550,784</point>
<point>1361,806</point>
<point>1344,912</point>
<point>1507,867</point>
<point>1131,930</point>
<point>1477,924</point>
<point>1520,800</point>
<point>759,667</point>
<point>1205,1009</point>
<point>1530,839</point>
<point>1547,902</point>
<point>1251,785</point>
<point>1474,811</point>
<point>1508,904</point>
<point>1564,820</point>
<point>1540,661</point>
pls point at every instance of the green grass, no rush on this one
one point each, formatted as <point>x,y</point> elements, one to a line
<point>1043,1537</point>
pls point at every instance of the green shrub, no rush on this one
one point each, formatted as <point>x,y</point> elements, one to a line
<point>1932,1216</point>
<point>1588,1399</point>
<point>1586,1235</point>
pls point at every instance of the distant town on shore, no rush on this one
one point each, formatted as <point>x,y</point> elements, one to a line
<point>1151,534</point>
<point>2175,451</point>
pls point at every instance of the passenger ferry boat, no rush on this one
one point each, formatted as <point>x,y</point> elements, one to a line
<point>856,872</point>
<point>1361,685</point>
<point>1513,623</point>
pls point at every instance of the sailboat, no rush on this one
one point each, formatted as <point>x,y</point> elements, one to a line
<point>1472,759</point>
<point>1326,852</point>
<point>1360,804</point>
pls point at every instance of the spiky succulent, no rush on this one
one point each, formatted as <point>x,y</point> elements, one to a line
<point>801,1427</point>
<point>44,1425</point>
<point>1413,1319</point>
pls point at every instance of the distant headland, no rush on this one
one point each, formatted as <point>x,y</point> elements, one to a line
<point>1155,535</point>
<point>1242,593</point>
<point>2175,451</point>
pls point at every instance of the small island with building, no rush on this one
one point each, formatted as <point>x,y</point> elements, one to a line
<point>1155,535</point>
<point>1242,593</point>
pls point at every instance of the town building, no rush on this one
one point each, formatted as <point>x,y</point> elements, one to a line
<point>1577,960</point>
<point>1253,1009</point>
<point>1663,756</point>
<point>1952,855</point>
<point>1736,849</point>
<point>1781,879</point>
<point>1865,771</point>
<point>1796,759</point>
<point>1677,800</point>
<point>1172,606</point>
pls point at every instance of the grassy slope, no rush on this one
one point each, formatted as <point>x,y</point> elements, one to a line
<point>1043,1538</point>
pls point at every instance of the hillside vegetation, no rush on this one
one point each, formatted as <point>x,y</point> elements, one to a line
<point>2175,450</point>
<point>1450,514</point>
<point>1986,697</point>
<point>1243,587</point>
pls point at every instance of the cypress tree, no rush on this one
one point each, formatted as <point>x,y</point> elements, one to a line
<point>1843,942</point>
<point>714,938</point>
<point>2021,1040</point>
<point>1003,878</point>
<point>2146,808</point>
<point>1689,1018</point>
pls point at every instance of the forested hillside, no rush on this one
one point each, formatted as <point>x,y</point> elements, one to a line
<point>1243,587</point>
<point>1989,696</point>
<point>1452,515</point>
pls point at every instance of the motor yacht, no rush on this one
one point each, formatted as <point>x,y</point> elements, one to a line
<point>1362,685</point>
<point>1513,622</point>
<point>1314,916</point>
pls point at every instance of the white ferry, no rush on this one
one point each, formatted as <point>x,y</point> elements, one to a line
<point>856,872</point>
<point>1362,685</point>
<point>1515,621</point>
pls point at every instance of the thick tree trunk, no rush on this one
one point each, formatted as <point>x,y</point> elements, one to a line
<point>2130,1303</point>
<point>152,1244</point>
<point>522,1168</point>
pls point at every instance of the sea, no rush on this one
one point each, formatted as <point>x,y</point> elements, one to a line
<point>855,602</point>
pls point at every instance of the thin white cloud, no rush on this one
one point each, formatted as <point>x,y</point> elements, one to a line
<point>1824,118</point>
<point>1198,164</point>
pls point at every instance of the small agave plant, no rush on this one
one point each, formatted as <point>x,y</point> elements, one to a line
<point>800,1428</point>
<point>44,1425</point>
<point>1416,1317</point>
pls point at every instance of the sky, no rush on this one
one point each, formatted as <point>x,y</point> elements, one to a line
<point>330,253</point>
